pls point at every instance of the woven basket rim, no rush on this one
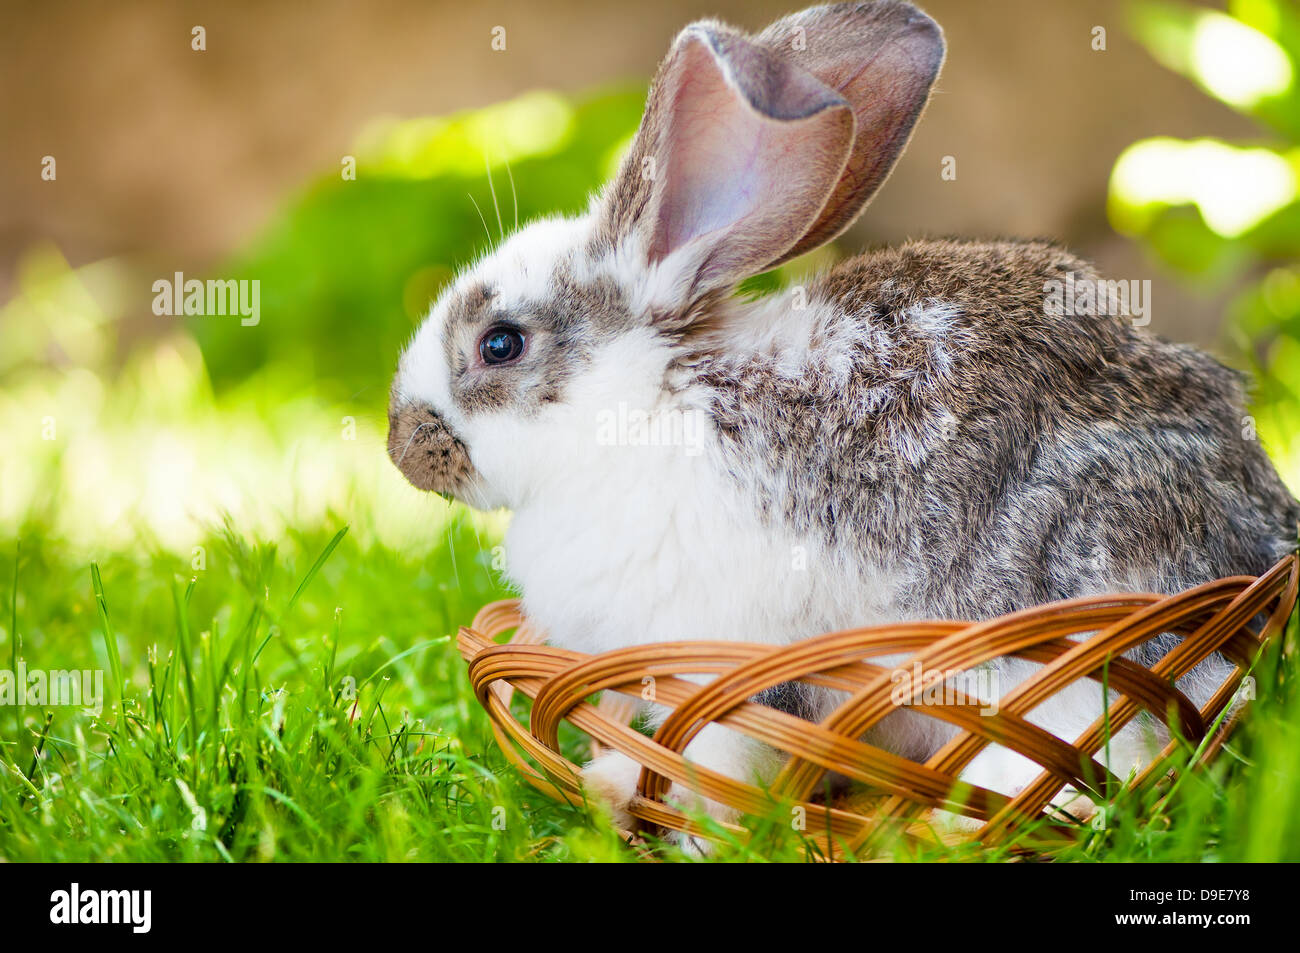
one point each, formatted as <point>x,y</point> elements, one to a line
<point>1214,617</point>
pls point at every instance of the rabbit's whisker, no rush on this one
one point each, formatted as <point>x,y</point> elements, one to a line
<point>487,167</point>
<point>427,423</point>
<point>487,231</point>
<point>514,195</point>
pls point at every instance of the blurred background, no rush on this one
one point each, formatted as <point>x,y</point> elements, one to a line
<point>1161,140</point>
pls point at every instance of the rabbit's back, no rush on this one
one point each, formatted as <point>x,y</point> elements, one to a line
<point>929,412</point>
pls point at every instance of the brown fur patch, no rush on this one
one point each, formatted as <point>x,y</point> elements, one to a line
<point>992,451</point>
<point>467,307</point>
<point>429,455</point>
<point>559,329</point>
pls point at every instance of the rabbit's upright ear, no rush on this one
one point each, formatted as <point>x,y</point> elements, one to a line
<point>882,57</point>
<point>737,153</point>
<point>753,150</point>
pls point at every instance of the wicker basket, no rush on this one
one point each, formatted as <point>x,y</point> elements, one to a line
<point>1219,616</point>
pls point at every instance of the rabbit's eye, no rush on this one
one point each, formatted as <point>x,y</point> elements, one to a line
<point>501,345</point>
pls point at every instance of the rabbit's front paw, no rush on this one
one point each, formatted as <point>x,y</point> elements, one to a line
<point>1078,806</point>
<point>699,808</point>
<point>611,781</point>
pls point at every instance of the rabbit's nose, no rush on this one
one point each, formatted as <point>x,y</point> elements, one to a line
<point>426,450</point>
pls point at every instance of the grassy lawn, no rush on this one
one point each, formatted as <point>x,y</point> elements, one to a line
<point>299,701</point>
<point>302,700</point>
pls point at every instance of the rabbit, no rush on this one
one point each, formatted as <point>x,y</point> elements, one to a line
<point>916,433</point>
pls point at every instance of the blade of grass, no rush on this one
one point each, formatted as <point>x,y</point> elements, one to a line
<point>316,566</point>
<point>334,650</point>
<point>183,650</point>
<point>13,612</point>
<point>13,626</point>
<point>110,640</point>
<point>401,655</point>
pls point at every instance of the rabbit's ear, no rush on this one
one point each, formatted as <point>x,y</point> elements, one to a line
<point>882,57</point>
<point>736,156</point>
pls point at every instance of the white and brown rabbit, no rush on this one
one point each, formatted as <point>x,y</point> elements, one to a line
<point>915,434</point>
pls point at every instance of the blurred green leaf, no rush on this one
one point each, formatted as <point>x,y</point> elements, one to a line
<point>1227,215</point>
<point>1250,65</point>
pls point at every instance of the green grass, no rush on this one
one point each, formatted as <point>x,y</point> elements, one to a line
<point>303,701</point>
<point>300,702</point>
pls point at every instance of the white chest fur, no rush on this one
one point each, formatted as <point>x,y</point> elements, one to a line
<point>659,544</point>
